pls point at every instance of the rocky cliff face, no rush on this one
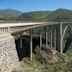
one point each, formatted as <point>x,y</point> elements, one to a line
<point>8,54</point>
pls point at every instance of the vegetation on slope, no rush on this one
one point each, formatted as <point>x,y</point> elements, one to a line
<point>61,15</point>
<point>34,16</point>
<point>58,15</point>
<point>46,60</point>
<point>9,14</point>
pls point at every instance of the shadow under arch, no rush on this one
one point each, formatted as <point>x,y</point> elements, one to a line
<point>69,39</point>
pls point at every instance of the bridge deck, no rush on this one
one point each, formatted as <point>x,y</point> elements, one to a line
<point>18,27</point>
<point>24,24</point>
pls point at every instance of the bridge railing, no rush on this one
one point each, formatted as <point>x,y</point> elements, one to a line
<point>8,27</point>
<point>15,27</point>
<point>3,30</point>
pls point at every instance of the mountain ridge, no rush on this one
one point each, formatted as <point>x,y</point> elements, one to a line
<point>56,15</point>
<point>9,13</point>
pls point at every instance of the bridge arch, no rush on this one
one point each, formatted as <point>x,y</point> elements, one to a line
<point>64,32</point>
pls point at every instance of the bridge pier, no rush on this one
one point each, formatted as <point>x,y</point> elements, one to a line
<point>46,36</point>
<point>51,37</point>
<point>61,39</point>
<point>31,45</point>
<point>20,40</point>
<point>55,38</point>
<point>40,37</point>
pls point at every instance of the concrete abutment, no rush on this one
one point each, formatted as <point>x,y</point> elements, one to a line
<point>8,54</point>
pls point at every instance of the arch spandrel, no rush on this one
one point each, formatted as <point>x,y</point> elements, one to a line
<point>67,29</point>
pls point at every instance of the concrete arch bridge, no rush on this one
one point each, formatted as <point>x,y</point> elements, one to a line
<point>55,32</point>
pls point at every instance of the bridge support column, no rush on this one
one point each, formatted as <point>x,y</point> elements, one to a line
<point>20,40</point>
<point>51,37</point>
<point>61,49</point>
<point>46,37</point>
<point>31,45</point>
<point>55,38</point>
<point>41,37</point>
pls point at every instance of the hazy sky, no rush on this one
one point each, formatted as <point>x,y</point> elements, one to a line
<point>35,5</point>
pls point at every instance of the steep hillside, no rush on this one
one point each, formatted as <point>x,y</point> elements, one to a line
<point>9,14</point>
<point>34,16</point>
<point>58,15</point>
<point>61,15</point>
